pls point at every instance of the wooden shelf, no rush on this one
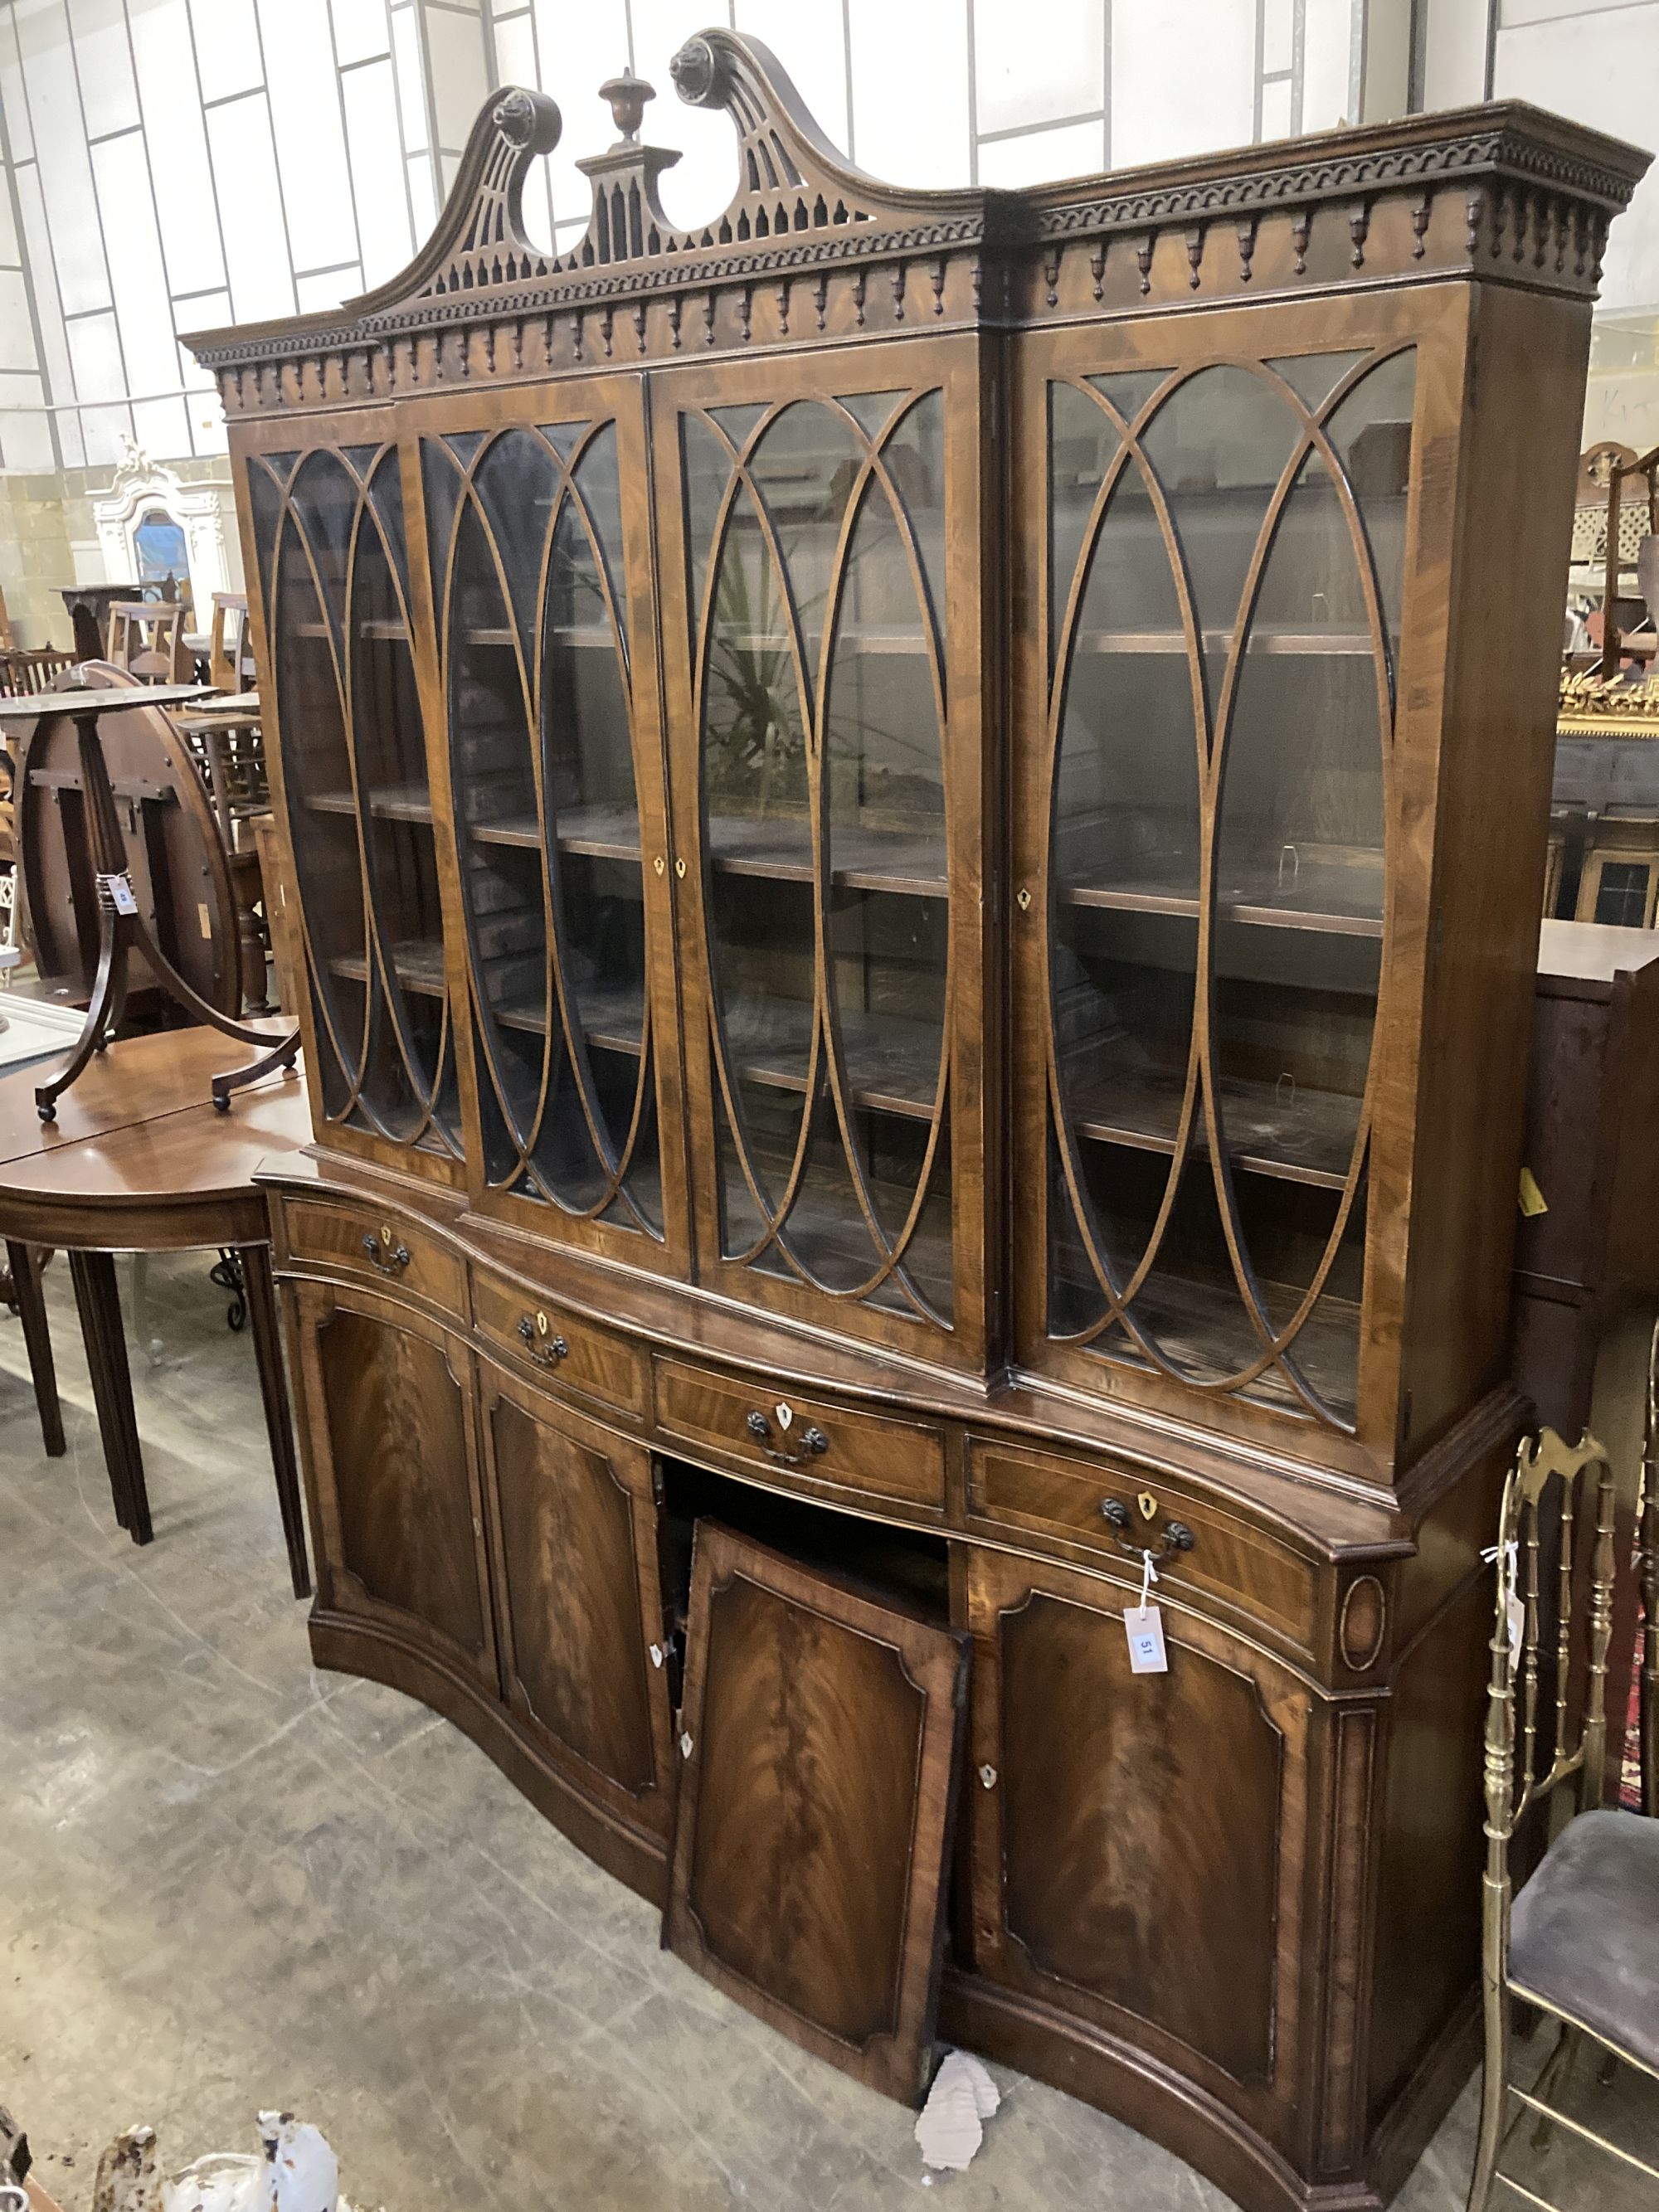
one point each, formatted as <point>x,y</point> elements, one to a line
<point>607,833</point>
<point>828,1233</point>
<point>852,637</point>
<point>389,627</point>
<point>892,1063</point>
<point>1306,1138</point>
<point>781,850</point>
<point>591,636</point>
<point>1264,638</point>
<point>612,1020</point>
<point>390,802</point>
<point>1203,1328</point>
<point>1329,902</point>
<point>417,962</point>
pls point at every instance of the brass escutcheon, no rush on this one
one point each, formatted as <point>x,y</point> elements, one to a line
<point>1148,1505</point>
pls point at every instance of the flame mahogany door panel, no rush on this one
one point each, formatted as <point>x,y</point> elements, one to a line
<point>387,1406</point>
<point>1136,1852</point>
<point>574,1537</point>
<point>821,1736</point>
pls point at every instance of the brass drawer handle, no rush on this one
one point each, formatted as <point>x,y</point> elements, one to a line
<point>1175,1535</point>
<point>813,1441</point>
<point>390,1259</point>
<point>543,1345</point>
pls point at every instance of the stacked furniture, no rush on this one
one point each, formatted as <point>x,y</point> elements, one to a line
<point>912,999</point>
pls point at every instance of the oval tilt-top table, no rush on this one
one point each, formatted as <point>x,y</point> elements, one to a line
<point>139,1160</point>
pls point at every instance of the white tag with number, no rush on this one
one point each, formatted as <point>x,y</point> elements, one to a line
<point>120,892</point>
<point>1145,1623</point>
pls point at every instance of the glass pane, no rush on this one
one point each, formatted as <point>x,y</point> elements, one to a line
<point>547,816</point>
<point>354,771</point>
<point>820,693</point>
<point>409,1036</point>
<point>1222,1188</point>
<point>1621,895</point>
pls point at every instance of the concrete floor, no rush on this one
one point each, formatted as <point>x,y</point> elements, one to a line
<point>228,1882</point>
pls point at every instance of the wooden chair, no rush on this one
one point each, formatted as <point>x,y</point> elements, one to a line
<point>1581,1941</point>
<point>25,670</point>
<point>230,647</point>
<point>147,638</point>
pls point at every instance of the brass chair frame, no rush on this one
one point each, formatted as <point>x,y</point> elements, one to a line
<point>1514,1783</point>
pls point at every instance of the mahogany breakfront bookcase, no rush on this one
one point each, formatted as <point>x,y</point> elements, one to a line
<point>916,822</point>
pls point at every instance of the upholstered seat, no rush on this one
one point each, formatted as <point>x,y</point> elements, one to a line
<point>1585,1935</point>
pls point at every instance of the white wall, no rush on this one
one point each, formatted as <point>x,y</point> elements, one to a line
<point>172,164</point>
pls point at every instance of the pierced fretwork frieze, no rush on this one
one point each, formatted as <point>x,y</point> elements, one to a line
<point>809,247</point>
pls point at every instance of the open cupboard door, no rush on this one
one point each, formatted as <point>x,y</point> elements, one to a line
<point>821,1734</point>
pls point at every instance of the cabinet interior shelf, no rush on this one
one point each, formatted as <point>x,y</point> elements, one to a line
<point>392,802</point>
<point>1264,638</point>
<point>1201,1327</point>
<point>417,962</point>
<point>389,627</point>
<point>579,636</point>
<point>860,859</point>
<point>1308,1137</point>
<point>779,850</point>
<point>1253,910</point>
<point>851,637</point>
<point>607,833</point>
<point>612,1020</point>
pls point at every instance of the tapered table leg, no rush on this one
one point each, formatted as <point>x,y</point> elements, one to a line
<point>37,1339</point>
<point>273,1386</point>
<point>98,1300</point>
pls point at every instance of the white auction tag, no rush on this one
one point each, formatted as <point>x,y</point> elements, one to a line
<point>1144,1625</point>
<point>120,892</point>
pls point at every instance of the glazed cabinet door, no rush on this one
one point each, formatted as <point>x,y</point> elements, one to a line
<point>821,1738</point>
<point>386,1402</point>
<point>1223,842</point>
<point>818,537</point>
<point>572,1529</point>
<point>1137,1841</point>
<point>541,676</point>
<point>328,550</point>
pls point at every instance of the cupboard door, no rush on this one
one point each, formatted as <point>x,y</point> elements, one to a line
<point>1137,1840</point>
<point>536,521</point>
<point>1209,692</point>
<point>823,679</point>
<point>388,1415</point>
<point>574,1533</point>
<point>349,759</point>
<point>821,1733</point>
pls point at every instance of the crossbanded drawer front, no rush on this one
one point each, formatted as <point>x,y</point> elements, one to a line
<point>819,1444</point>
<point>569,1351</point>
<point>381,1248</point>
<point>1089,1503</point>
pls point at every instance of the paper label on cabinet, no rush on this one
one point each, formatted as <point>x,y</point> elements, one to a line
<point>1144,1625</point>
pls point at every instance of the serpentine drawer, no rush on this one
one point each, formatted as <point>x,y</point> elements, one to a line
<point>572,1354</point>
<point>382,1249</point>
<point>1034,1493</point>
<point>819,1445</point>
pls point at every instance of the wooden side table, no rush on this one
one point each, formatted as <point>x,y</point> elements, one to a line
<point>138,1160</point>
